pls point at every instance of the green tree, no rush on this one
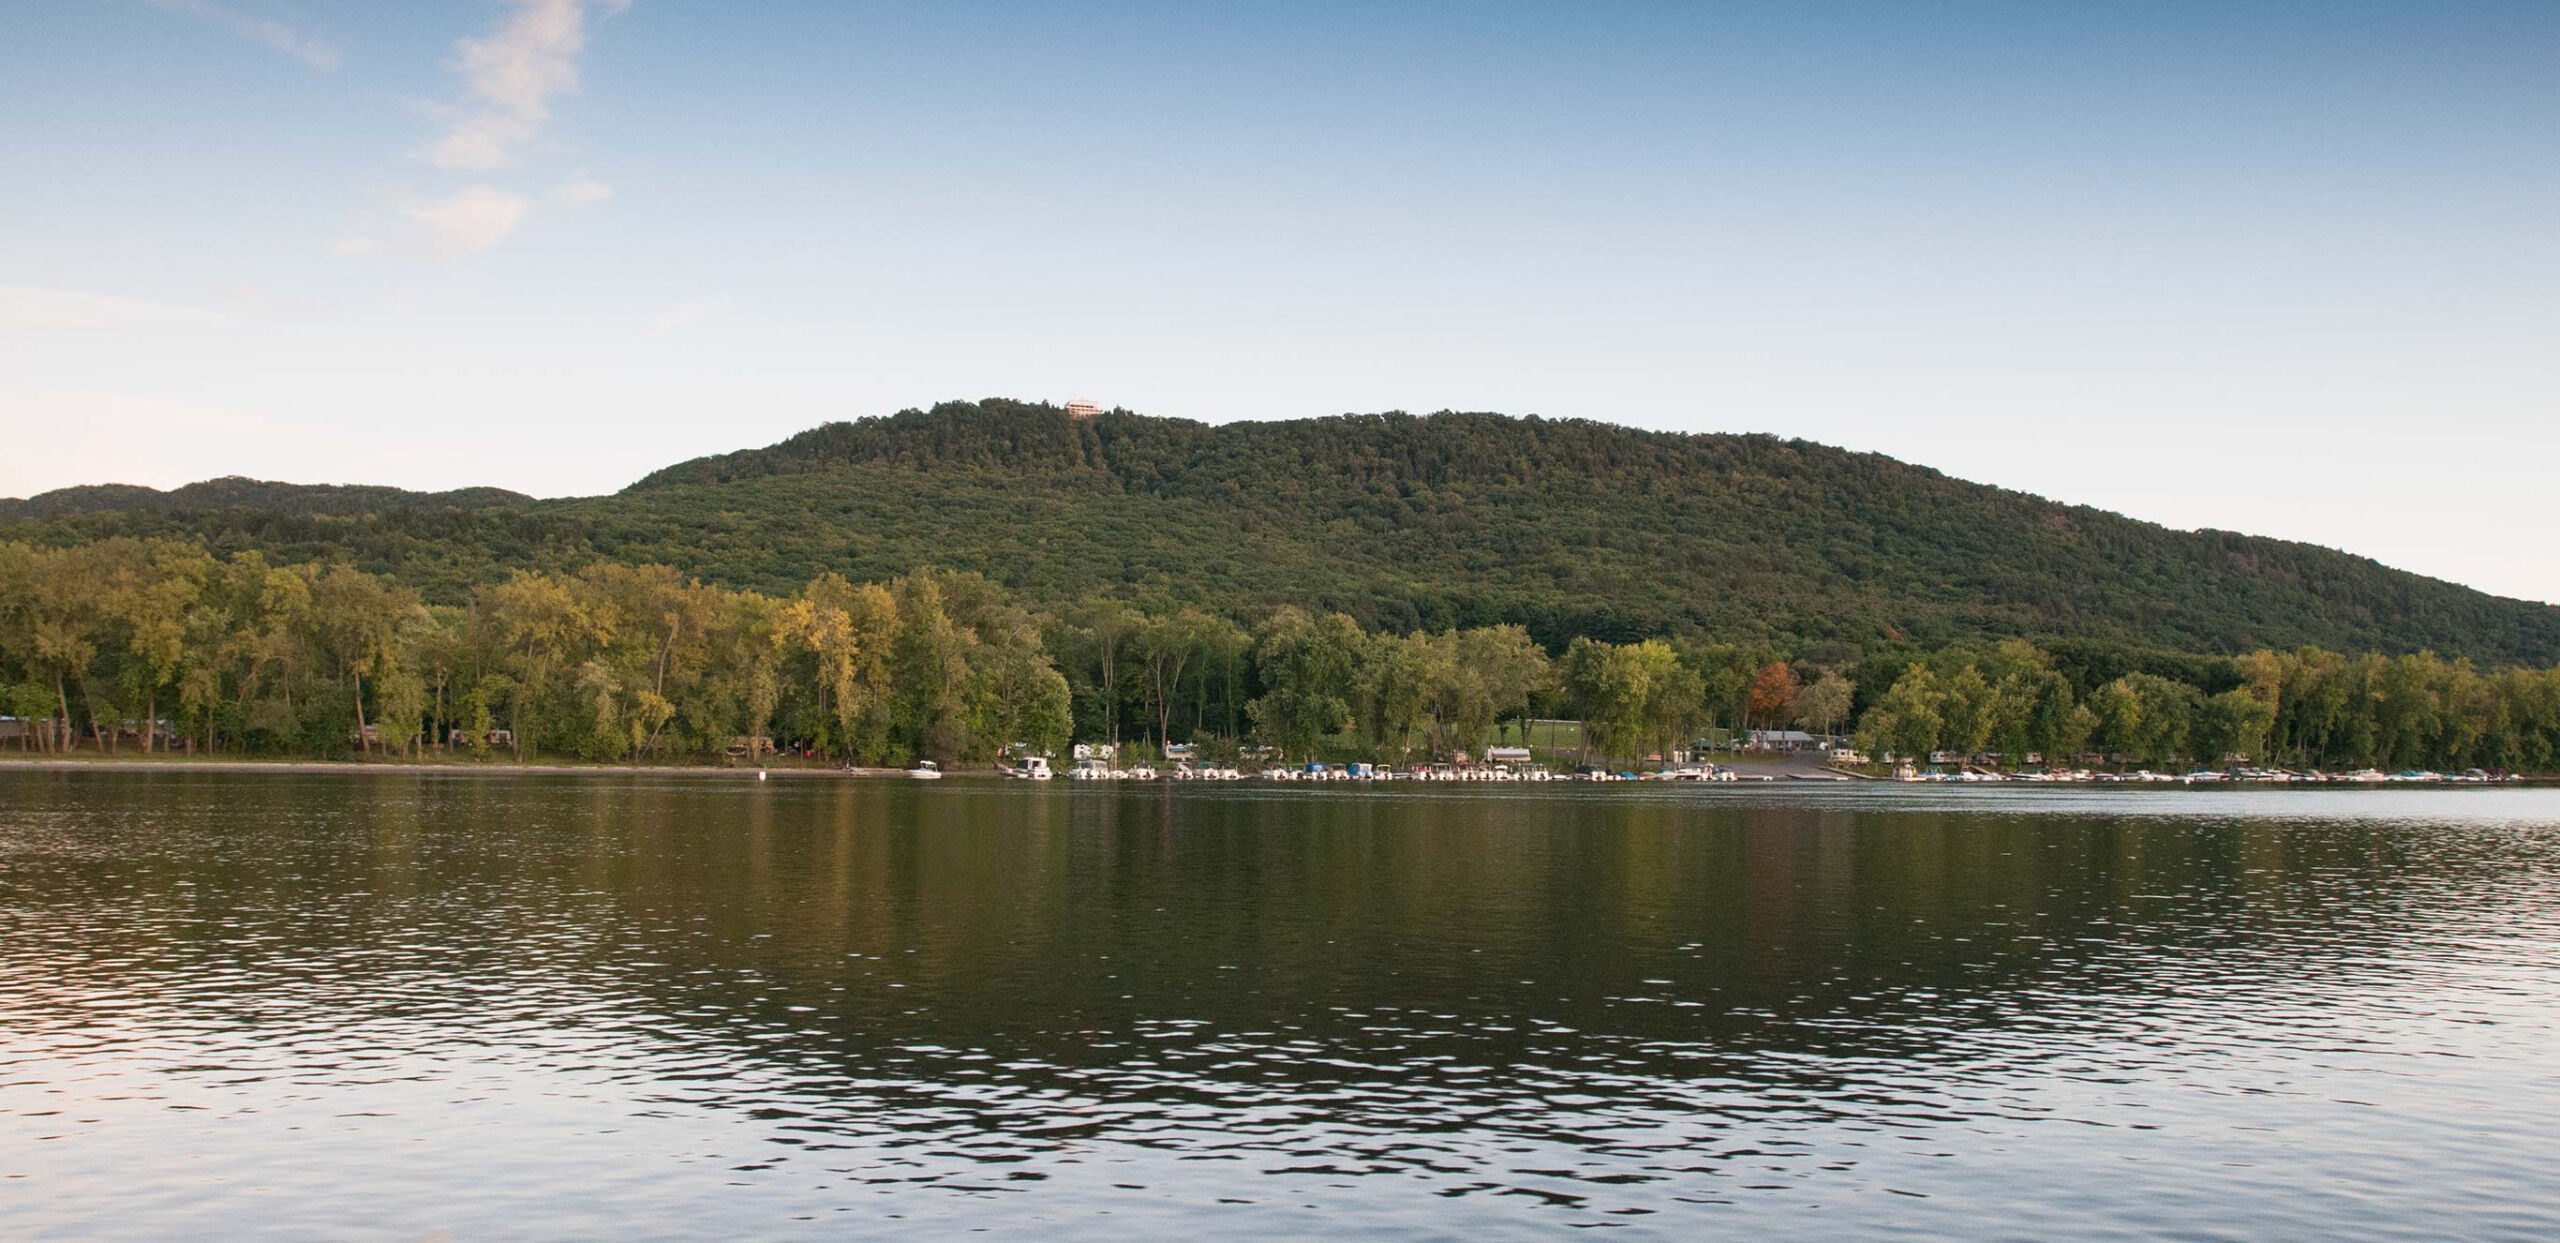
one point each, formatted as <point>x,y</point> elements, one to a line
<point>1906,721</point>
<point>149,593</point>
<point>1675,700</point>
<point>1309,667</point>
<point>1506,671</point>
<point>2117,711</point>
<point>929,672</point>
<point>65,625</point>
<point>1629,695</point>
<point>1971,712</point>
<point>1402,682</point>
<point>358,617</point>
<point>1825,702</point>
<point>2234,722</point>
<point>849,634</point>
<point>543,624</point>
<point>1168,649</point>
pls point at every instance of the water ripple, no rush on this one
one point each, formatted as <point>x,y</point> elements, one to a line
<point>323,1006</point>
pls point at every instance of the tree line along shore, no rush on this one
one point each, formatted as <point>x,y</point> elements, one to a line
<point>148,647</point>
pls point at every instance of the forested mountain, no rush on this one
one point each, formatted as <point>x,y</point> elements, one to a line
<point>1405,522</point>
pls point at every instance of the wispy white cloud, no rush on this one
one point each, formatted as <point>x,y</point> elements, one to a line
<point>510,77</point>
<point>472,219</point>
<point>31,306</point>
<point>581,192</point>
<point>680,317</point>
<point>308,49</point>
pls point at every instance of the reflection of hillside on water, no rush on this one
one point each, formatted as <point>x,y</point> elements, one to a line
<point>982,972</point>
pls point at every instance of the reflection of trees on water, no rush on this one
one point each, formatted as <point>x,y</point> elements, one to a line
<point>981,972</point>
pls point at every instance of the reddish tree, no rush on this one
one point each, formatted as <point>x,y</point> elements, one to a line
<point>1772,695</point>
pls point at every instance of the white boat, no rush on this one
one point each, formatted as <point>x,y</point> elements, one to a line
<point>926,770</point>
<point>1032,768</point>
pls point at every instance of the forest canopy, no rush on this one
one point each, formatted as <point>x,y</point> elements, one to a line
<point>161,644</point>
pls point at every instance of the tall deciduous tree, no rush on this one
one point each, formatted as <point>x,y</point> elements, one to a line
<point>1772,696</point>
<point>541,623</point>
<point>1907,719</point>
<point>1309,666</point>
<point>1825,702</point>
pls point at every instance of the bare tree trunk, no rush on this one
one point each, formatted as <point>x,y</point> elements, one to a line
<point>675,626</point>
<point>150,720</point>
<point>1111,701</point>
<point>363,743</point>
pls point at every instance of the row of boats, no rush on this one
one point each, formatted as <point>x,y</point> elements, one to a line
<point>2202,776</point>
<point>1036,768</point>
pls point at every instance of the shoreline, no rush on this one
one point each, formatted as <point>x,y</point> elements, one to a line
<point>459,767</point>
<point>56,764</point>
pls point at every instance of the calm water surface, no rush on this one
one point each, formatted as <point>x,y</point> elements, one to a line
<point>391,1005</point>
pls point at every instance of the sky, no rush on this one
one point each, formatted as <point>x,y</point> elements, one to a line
<point>2290,269</point>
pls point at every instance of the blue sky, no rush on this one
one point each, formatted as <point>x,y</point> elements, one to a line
<point>2288,269</point>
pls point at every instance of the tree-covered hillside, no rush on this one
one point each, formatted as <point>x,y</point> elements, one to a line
<point>1405,522</point>
<point>234,492</point>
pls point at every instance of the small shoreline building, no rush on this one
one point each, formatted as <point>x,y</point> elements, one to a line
<point>1783,740</point>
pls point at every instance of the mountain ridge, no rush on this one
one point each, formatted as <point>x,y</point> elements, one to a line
<point>1569,526</point>
<point>241,491</point>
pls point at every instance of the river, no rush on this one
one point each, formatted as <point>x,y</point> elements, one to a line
<point>402,1005</point>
